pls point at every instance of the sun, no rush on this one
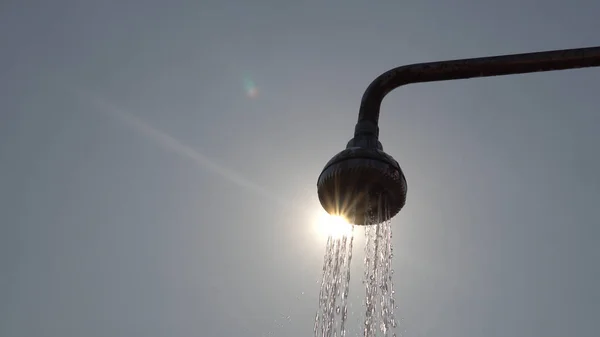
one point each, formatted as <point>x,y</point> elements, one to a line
<point>332,225</point>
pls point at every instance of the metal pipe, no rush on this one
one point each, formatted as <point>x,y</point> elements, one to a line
<point>368,116</point>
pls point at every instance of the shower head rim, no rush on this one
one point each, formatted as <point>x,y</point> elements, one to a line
<point>346,173</point>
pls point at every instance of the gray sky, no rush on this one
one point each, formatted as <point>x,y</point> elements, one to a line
<point>144,193</point>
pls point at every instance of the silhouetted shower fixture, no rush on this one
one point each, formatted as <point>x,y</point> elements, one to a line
<point>354,180</point>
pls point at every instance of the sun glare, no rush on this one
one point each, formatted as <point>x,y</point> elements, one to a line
<point>332,225</point>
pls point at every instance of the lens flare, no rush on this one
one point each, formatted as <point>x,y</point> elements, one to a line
<point>250,88</point>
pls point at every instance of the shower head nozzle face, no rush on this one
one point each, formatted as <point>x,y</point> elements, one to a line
<point>354,181</point>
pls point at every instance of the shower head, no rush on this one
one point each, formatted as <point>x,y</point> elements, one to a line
<point>355,182</point>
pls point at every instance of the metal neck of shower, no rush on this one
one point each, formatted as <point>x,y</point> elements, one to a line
<point>367,129</point>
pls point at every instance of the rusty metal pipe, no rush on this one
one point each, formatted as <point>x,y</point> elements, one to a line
<point>368,116</point>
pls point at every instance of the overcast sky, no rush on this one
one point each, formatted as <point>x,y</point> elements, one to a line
<point>158,166</point>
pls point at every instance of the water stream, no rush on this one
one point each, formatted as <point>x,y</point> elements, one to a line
<point>379,297</point>
<point>335,285</point>
<point>332,314</point>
